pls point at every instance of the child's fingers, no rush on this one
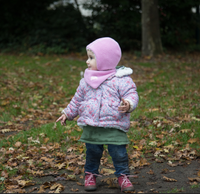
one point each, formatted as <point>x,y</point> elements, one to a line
<point>57,120</point>
<point>62,122</point>
<point>60,118</point>
<point>124,101</point>
<point>122,109</point>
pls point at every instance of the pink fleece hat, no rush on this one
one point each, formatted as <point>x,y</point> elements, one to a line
<point>107,53</point>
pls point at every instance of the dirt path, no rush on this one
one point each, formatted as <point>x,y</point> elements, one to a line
<point>150,180</point>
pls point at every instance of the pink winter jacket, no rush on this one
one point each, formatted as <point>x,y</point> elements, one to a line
<point>99,107</point>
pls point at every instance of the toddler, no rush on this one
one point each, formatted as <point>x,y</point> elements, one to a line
<point>103,100</point>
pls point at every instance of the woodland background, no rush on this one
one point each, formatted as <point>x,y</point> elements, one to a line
<point>50,26</point>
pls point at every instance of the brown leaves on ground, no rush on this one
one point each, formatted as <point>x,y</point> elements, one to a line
<point>195,180</point>
<point>52,186</point>
<point>16,184</point>
<point>106,171</point>
<point>38,162</point>
<point>169,179</point>
<point>111,182</point>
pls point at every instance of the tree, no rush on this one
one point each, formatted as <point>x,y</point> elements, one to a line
<point>118,19</point>
<point>151,38</point>
<point>34,26</point>
<point>178,23</point>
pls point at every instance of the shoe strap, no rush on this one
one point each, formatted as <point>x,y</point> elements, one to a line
<point>90,178</point>
<point>126,179</point>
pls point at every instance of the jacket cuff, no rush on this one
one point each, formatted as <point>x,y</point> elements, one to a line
<point>131,105</point>
<point>63,112</point>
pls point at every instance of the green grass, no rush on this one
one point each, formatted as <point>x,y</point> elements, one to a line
<point>172,95</point>
<point>36,89</point>
<point>2,187</point>
<point>195,186</point>
<point>174,190</point>
<point>39,134</point>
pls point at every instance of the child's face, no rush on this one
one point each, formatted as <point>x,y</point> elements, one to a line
<point>91,62</point>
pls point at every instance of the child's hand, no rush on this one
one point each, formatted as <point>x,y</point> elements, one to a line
<point>124,107</point>
<point>62,119</point>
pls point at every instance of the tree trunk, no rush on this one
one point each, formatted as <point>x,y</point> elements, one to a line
<point>151,39</point>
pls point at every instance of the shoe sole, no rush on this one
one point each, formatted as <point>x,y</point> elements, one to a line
<point>90,188</point>
<point>128,189</point>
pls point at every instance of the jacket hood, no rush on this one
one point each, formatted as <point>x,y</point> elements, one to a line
<point>107,53</point>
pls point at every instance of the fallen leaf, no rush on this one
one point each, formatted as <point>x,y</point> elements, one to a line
<point>193,140</point>
<point>160,136</point>
<point>143,162</point>
<point>170,147</point>
<point>142,142</point>
<point>194,179</point>
<point>4,174</point>
<point>106,171</point>
<point>60,166</point>
<point>171,164</point>
<point>70,149</point>
<point>18,144</point>
<point>194,183</point>
<point>59,188</point>
<point>23,183</point>
<point>6,130</point>
<point>112,182</point>
<point>133,123</point>
<point>54,186</point>
<point>184,130</point>
<point>135,154</point>
<point>41,190</point>
<point>192,134</point>
<point>71,177</point>
<point>196,119</point>
<point>153,109</point>
<point>169,179</point>
<point>74,190</point>
<point>80,184</point>
<point>46,140</point>
<point>159,160</point>
<point>153,143</point>
<point>165,171</point>
<point>150,172</point>
<point>77,171</point>
<point>166,150</point>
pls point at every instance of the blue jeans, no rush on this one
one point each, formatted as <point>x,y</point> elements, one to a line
<point>117,152</point>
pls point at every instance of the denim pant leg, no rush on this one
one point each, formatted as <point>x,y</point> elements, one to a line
<point>120,159</point>
<point>93,156</point>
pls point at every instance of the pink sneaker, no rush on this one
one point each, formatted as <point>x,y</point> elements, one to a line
<point>124,183</point>
<point>90,181</point>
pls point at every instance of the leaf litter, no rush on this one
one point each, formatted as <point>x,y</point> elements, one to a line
<point>43,158</point>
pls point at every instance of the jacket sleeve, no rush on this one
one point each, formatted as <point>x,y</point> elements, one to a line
<point>71,111</point>
<point>128,91</point>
